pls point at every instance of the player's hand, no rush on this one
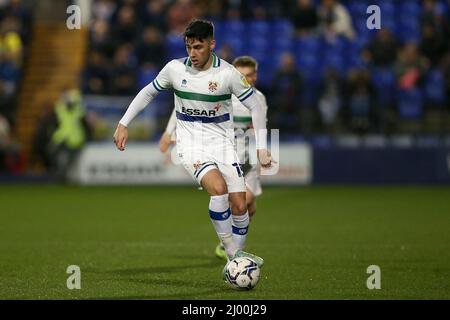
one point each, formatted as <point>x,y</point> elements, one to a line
<point>265,158</point>
<point>165,142</point>
<point>121,136</point>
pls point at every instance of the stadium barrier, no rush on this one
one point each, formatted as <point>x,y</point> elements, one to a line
<point>389,165</point>
<point>143,163</point>
<point>299,164</point>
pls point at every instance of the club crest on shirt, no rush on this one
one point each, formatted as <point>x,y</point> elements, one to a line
<point>184,83</point>
<point>212,86</point>
<point>197,165</point>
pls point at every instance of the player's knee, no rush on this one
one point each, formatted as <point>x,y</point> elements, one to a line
<point>239,207</point>
<point>219,188</point>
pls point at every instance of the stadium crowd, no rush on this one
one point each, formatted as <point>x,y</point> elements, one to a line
<point>322,69</point>
<point>15,23</point>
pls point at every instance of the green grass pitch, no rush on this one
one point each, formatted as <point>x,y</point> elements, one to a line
<point>158,243</point>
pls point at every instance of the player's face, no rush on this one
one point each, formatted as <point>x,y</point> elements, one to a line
<point>249,73</point>
<point>199,51</point>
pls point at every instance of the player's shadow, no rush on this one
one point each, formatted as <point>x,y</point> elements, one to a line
<point>132,275</point>
<point>210,262</point>
<point>176,296</point>
<point>159,269</point>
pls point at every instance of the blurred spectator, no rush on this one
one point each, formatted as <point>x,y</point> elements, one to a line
<point>72,132</point>
<point>434,13</point>
<point>330,97</point>
<point>382,51</point>
<point>124,71</point>
<point>151,48</point>
<point>11,160</point>
<point>96,75</point>
<point>212,9</point>
<point>6,105</point>
<point>104,9</point>
<point>154,14</point>
<point>10,41</point>
<point>360,101</point>
<point>304,17</point>
<point>20,10</point>
<point>432,44</point>
<point>9,74</point>
<point>101,39</point>
<point>126,28</point>
<point>4,142</point>
<point>226,53</point>
<point>147,74</point>
<point>335,19</point>
<point>42,139</point>
<point>179,14</point>
<point>431,12</point>
<point>259,12</point>
<point>233,13</point>
<point>132,40</point>
<point>410,67</point>
<point>445,65</point>
<point>286,92</point>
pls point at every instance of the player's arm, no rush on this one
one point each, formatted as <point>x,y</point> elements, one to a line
<point>254,104</point>
<point>143,98</point>
<point>264,105</point>
<point>166,138</point>
<point>246,95</point>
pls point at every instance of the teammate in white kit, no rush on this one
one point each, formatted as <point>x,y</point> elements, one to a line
<point>242,121</point>
<point>202,85</point>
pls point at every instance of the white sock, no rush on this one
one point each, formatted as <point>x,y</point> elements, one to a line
<point>220,213</point>
<point>240,230</point>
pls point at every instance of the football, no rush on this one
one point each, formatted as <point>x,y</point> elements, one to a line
<point>242,273</point>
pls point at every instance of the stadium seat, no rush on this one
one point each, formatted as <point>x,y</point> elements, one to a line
<point>335,60</point>
<point>389,23</point>
<point>410,103</point>
<point>235,27</point>
<point>265,73</point>
<point>338,44</point>
<point>282,27</point>
<point>359,106</point>
<point>175,46</point>
<point>408,28</point>
<point>435,87</point>
<point>236,44</point>
<point>387,8</point>
<point>308,61</point>
<point>146,76</point>
<point>258,43</point>
<point>410,8</point>
<point>258,27</point>
<point>310,88</point>
<point>282,44</point>
<point>308,44</point>
<point>357,8</point>
<point>384,82</point>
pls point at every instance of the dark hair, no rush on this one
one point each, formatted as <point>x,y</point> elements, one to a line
<point>199,30</point>
<point>245,61</point>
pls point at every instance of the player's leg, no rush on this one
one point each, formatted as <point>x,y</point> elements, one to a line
<point>236,190</point>
<point>251,203</point>
<point>240,218</point>
<point>219,209</point>
<point>251,208</point>
<point>254,189</point>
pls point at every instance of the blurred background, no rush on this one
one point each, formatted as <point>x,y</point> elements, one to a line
<point>353,105</point>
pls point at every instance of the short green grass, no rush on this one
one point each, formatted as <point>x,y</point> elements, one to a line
<point>157,243</point>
